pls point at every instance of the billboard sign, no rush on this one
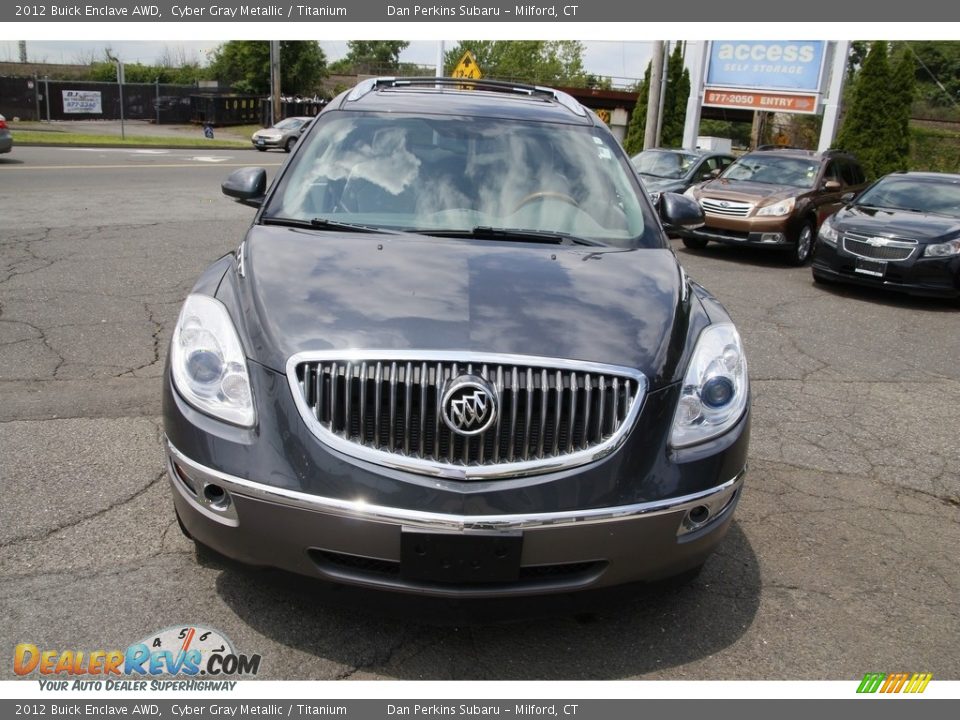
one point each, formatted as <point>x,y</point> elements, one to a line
<point>774,65</point>
<point>82,101</point>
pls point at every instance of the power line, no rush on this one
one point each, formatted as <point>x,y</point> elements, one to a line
<point>935,78</point>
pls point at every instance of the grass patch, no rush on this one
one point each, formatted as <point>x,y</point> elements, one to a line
<point>36,137</point>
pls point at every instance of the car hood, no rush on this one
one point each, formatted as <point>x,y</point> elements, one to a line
<point>745,191</point>
<point>304,290</point>
<point>897,223</point>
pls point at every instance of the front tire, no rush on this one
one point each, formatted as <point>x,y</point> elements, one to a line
<point>289,145</point>
<point>695,243</point>
<point>802,248</point>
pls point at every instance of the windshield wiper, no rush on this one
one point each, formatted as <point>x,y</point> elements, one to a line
<point>327,224</point>
<point>485,232</point>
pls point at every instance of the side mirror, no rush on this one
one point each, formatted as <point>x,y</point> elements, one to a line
<point>305,127</point>
<point>247,185</point>
<point>831,185</point>
<point>679,211</point>
<point>848,197</point>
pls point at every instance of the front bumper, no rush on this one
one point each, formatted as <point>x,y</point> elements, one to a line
<point>927,276</point>
<point>759,231</point>
<point>359,543</point>
<point>272,143</point>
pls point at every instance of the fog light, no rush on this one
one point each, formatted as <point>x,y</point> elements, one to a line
<point>771,237</point>
<point>216,497</point>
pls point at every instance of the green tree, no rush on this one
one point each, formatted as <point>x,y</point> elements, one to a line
<point>545,62</point>
<point>378,55</point>
<point>633,142</point>
<point>674,105</point>
<point>139,73</point>
<point>902,90</point>
<point>675,101</point>
<point>245,66</point>
<point>937,71</point>
<point>873,124</point>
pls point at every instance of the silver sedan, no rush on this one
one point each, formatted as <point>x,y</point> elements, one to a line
<point>282,136</point>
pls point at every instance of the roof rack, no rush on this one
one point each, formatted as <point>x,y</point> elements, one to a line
<point>564,99</point>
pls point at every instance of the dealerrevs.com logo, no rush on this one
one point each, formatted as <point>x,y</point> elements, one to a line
<point>185,650</point>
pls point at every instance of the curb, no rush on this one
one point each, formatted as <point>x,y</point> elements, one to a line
<point>212,146</point>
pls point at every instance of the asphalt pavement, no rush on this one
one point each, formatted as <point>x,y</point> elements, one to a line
<point>842,558</point>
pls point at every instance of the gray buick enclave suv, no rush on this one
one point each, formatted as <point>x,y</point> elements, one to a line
<point>455,354</point>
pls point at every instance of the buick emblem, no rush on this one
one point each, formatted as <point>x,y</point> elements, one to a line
<point>468,405</point>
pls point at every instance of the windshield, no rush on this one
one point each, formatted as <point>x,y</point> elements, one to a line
<point>289,124</point>
<point>458,173</point>
<point>773,170</point>
<point>671,165</point>
<point>941,197</point>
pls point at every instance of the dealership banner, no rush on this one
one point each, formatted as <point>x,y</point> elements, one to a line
<point>569,11</point>
<point>82,101</point>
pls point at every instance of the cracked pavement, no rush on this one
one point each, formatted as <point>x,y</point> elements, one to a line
<point>841,560</point>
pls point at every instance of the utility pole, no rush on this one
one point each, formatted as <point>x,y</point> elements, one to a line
<point>831,108</point>
<point>653,96</point>
<point>275,81</point>
<point>698,62</point>
<point>439,59</point>
<point>123,131</point>
<point>663,91</point>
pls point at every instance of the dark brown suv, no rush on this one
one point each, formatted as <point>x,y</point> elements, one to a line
<point>775,198</point>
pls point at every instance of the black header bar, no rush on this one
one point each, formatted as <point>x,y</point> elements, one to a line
<point>565,11</point>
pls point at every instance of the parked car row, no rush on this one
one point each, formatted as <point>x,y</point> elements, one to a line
<point>901,232</point>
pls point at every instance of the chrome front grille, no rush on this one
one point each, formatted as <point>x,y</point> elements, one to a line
<point>878,248</point>
<point>727,208</point>
<point>385,408</point>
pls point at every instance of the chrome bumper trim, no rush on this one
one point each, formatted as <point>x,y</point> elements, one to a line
<point>360,510</point>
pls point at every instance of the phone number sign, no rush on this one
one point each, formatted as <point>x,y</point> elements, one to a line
<point>768,102</point>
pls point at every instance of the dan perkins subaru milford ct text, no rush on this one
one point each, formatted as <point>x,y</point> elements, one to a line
<point>473,10</point>
<point>537,709</point>
<point>455,354</point>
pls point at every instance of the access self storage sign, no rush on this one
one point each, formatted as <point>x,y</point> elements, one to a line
<point>791,65</point>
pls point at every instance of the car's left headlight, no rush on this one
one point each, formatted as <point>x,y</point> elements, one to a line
<point>784,207</point>
<point>207,361</point>
<point>828,232</point>
<point>951,247</point>
<point>715,387</point>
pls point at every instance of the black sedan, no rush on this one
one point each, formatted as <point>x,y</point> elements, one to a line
<point>902,233</point>
<point>455,354</point>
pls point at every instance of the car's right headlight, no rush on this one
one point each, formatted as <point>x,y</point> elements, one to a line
<point>784,207</point>
<point>828,233</point>
<point>691,192</point>
<point>951,247</point>
<point>715,387</point>
<point>207,361</point>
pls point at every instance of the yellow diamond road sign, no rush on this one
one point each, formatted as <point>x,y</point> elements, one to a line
<point>467,67</point>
